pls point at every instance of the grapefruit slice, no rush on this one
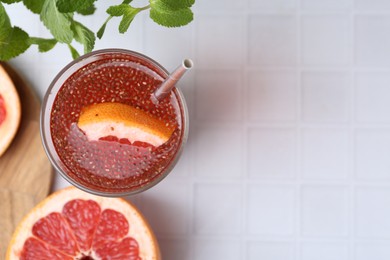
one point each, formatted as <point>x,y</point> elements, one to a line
<point>10,111</point>
<point>123,122</point>
<point>71,224</point>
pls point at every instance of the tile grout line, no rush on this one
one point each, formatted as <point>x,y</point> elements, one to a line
<point>299,159</point>
<point>191,223</point>
<point>352,199</point>
<point>245,131</point>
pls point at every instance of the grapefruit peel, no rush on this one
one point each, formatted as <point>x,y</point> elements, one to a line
<point>11,110</point>
<point>101,120</point>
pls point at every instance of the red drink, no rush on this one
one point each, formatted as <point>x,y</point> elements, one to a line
<point>106,162</point>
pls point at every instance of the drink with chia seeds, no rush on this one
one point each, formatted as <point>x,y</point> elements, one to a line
<point>102,129</point>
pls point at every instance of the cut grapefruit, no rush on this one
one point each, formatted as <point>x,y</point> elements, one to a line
<point>10,110</point>
<point>71,224</point>
<point>99,121</point>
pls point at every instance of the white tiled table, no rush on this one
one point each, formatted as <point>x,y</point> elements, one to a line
<point>288,156</point>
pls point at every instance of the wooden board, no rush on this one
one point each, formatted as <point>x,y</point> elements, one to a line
<point>25,172</point>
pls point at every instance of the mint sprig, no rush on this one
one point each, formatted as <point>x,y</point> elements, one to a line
<point>169,13</point>
<point>58,16</point>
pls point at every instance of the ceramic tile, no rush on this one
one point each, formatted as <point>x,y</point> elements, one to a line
<point>274,5</point>
<point>325,153</point>
<point>372,86</point>
<point>187,87</point>
<point>378,250</point>
<point>371,150</point>
<point>217,209</point>
<point>216,47</point>
<point>373,212</point>
<point>270,250</point>
<point>325,251</point>
<point>324,211</point>
<point>267,147</point>
<point>170,204</point>
<point>328,5</point>
<point>325,39</point>
<point>210,163</point>
<point>174,44</point>
<point>216,249</point>
<point>218,95</point>
<point>372,36</point>
<point>219,5</point>
<point>272,40</point>
<point>175,249</point>
<point>271,210</point>
<point>325,96</point>
<point>372,5</point>
<point>272,96</point>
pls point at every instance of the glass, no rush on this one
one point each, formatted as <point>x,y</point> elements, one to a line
<point>111,165</point>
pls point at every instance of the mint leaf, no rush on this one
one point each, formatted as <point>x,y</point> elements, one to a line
<point>69,6</point>
<point>74,52</point>
<point>5,24</point>
<point>13,44</point>
<point>117,10</point>
<point>84,36</point>
<point>57,23</point>
<point>100,33</point>
<point>128,17</point>
<point>87,11</point>
<point>44,45</point>
<point>34,6</point>
<point>128,12</point>
<point>164,15</point>
<point>10,1</point>
<point>174,4</point>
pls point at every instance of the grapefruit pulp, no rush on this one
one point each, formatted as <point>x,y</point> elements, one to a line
<point>74,225</point>
<point>10,111</point>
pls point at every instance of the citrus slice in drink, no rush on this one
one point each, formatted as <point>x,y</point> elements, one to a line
<point>71,224</point>
<point>112,119</point>
<point>10,111</point>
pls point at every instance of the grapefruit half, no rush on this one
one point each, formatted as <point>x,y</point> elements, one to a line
<point>10,111</point>
<point>73,225</point>
<point>123,122</point>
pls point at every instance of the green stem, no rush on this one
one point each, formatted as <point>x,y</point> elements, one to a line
<point>144,8</point>
<point>108,19</point>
